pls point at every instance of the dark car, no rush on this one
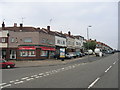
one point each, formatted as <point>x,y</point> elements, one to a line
<point>6,64</point>
<point>79,54</point>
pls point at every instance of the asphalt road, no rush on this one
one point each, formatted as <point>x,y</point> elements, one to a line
<point>96,72</point>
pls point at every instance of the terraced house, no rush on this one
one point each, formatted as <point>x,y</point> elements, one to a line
<point>29,43</point>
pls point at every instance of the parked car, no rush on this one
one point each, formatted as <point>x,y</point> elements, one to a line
<point>110,52</point>
<point>79,54</point>
<point>68,56</point>
<point>72,54</point>
<point>83,54</point>
<point>6,64</point>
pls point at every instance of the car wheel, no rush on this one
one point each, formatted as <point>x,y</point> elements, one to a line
<point>8,66</point>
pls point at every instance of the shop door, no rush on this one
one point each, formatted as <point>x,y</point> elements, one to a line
<point>4,54</point>
<point>12,54</point>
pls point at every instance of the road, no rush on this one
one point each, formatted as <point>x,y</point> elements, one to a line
<point>98,72</point>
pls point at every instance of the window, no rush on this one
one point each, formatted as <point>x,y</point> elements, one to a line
<point>31,53</point>
<point>77,43</point>
<point>51,42</point>
<point>3,39</point>
<point>27,40</point>
<point>44,53</point>
<point>58,41</point>
<point>23,53</point>
<point>27,53</point>
<point>51,53</point>
<point>12,39</point>
<point>63,42</point>
<point>43,40</point>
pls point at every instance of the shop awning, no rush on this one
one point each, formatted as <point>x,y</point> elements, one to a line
<point>48,48</point>
<point>27,48</point>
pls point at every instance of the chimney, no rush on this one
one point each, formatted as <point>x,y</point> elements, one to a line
<point>3,25</point>
<point>48,28</point>
<point>21,25</point>
<point>15,24</point>
<point>69,33</point>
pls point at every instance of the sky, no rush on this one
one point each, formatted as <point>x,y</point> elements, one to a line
<point>66,15</point>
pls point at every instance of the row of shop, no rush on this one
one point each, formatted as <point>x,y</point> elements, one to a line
<point>30,52</point>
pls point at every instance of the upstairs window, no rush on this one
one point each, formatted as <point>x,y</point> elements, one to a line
<point>28,40</point>
<point>12,39</point>
<point>58,41</point>
<point>3,40</point>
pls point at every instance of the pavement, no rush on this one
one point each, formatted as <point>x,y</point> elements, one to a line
<point>45,62</point>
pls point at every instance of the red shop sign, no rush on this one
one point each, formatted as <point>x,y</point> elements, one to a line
<point>27,48</point>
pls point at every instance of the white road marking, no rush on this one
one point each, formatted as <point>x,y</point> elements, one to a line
<point>24,78</point>
<point>18,82</point>
<point>44,75</point>
<point>58,70</point>
<point>29,79</point>
<point>114,62</point>
<point>41,73</point>
<point>12,81</point>
<point>37,77</point>
<point>93,83</point>
<point>73,66</point>
<point>34,75</point>
<point>6,86</point>
<point>108,69</point>
<point>47,74</point>
<point>2,84</point>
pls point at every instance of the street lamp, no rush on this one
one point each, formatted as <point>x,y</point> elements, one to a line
<point>88,39</point>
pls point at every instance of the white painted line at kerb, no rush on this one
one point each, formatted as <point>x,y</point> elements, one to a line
<point>41,73</point>
<point>18,82</point>
<point>2,84</point>
<point>29,79</point>
<point>91,85</point>
<point>108,69</point>
<point>6,86</point>
<point>24,78</point>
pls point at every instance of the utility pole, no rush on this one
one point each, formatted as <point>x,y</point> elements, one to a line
<point>88,40</point>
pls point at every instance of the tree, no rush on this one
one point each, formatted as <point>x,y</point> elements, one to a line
<point>91,44</point>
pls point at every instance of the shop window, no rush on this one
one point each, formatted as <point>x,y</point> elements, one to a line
<point>23,53</point>
<point>44,53</point>
<point>52,53</point>
<point>27,53</point>
<point>31,53</point>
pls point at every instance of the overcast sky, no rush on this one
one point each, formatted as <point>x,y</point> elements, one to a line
<point>66,16</point>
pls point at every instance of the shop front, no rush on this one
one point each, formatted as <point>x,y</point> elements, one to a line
<point>47,52</point>
<point>35,52</point>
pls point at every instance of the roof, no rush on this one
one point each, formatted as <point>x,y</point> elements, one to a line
<point>17,29</point>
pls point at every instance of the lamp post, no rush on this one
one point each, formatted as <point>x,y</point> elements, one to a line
<point>88,39</point>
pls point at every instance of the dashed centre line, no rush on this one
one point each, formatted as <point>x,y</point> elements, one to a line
<point>108,69</point>
<point>93,83</point>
